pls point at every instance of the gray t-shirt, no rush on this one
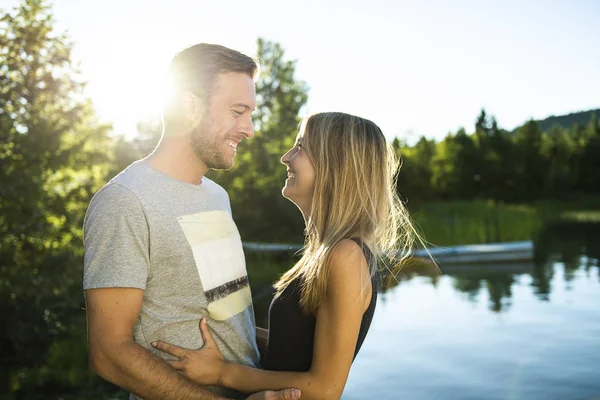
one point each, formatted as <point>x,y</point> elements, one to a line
<point>177,242</point>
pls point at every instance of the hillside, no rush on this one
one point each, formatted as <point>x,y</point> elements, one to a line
<point>568,120</point>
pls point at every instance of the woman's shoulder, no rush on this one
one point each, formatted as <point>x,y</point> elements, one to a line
<point>347,247</point>
<point>348,261</point>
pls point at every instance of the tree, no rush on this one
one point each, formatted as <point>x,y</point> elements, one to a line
<point>454,167</point>
<point>558,148</point>
<point>530,163</point>
<point>255,183</point>
<point>589,165</point>
<point>127,151</point>
<point>53,156</point>
<point>414,179</point>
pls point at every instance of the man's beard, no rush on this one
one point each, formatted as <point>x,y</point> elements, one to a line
<point>207,146</point>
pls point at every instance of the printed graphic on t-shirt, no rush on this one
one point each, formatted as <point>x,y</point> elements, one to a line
<point>219,257</point>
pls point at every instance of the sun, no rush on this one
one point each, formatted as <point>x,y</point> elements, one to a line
<point>131,88</point>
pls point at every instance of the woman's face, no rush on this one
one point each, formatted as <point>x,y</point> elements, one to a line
<point>300,184</point>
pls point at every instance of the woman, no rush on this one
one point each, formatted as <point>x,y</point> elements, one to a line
<point>341,176</point>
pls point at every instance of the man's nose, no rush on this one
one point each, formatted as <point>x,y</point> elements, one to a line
<point>247,128</point>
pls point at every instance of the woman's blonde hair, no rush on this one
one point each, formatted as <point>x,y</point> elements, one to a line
<point>355,196</point>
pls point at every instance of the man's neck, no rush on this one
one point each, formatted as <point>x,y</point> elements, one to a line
<point>175,157</point>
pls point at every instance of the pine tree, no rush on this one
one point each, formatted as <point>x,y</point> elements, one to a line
<point>53,156</point>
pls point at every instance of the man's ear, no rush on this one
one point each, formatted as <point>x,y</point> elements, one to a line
<point>191,106</point>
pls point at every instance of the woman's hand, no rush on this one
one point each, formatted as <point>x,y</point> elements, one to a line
<point>204,365</point>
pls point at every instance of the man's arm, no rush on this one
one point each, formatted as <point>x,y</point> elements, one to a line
<point>111,314</point>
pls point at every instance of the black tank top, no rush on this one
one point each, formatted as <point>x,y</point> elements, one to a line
<point>291,332</point>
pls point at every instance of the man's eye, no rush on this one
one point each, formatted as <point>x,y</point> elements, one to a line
<point>238,113</point>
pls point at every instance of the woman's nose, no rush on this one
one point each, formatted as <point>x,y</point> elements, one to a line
<point>286,157</point>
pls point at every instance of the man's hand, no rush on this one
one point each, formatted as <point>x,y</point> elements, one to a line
<point>285,394</point>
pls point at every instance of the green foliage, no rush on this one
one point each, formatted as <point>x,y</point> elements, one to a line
<point>127,151</point>
<point>53,157</point>
<point>491,163</point>
<point>417,160</point>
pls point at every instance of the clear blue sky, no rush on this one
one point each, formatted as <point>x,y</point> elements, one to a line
<point>415,68</point>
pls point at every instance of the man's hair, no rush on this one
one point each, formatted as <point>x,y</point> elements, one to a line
<point>197,68</point>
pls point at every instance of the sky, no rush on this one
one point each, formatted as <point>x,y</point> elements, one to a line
<point>413,67</point>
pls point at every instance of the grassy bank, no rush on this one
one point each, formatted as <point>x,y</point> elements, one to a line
<point>472,222</point>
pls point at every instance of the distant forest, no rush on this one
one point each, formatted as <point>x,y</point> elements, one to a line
<point>569,120</point>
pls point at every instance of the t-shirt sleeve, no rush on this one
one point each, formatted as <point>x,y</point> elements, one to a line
<point>227,203</point>
<point>224,198</point>
<point>116,240</point>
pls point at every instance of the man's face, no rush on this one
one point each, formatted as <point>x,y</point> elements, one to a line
<point>226,121</point>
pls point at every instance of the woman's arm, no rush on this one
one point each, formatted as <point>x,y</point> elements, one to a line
<point>337,327</point>
<point>338,323</point>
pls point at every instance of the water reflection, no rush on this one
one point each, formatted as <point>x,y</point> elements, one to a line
<point>574,245</point>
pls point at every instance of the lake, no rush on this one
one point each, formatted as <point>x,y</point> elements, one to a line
<point>491,331</point>
<point>440,341</point>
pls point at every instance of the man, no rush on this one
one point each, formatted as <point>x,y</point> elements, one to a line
<point>161,248</point>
